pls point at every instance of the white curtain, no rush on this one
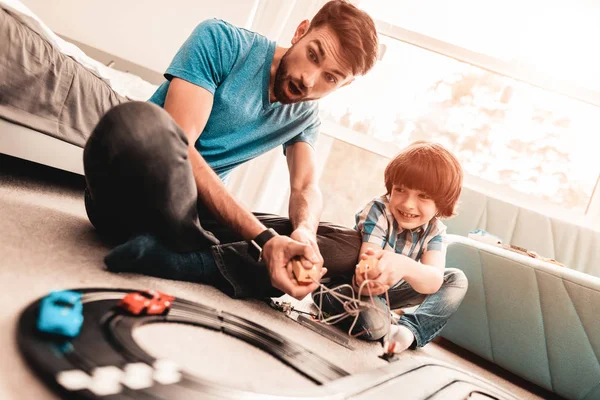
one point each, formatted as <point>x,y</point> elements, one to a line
<point>263,183</point>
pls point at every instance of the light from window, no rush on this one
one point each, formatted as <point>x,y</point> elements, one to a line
<point>557,37</point>
<point>502,130</point>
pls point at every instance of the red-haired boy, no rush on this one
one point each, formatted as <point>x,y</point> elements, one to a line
<point>403,231</point>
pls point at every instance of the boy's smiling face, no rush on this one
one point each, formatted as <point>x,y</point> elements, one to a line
<point>411,208</point>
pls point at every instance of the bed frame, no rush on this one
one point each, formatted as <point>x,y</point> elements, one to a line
<point>19,141</point>
<point>29,144</point>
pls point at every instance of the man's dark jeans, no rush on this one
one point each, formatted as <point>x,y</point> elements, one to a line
<point>139,180</point>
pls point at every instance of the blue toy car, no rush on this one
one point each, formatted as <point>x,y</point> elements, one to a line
<point>60,313</point>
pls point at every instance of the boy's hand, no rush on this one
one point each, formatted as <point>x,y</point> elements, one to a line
<point>384,273</point>
<point>367,268</point>
<point>367,265</point>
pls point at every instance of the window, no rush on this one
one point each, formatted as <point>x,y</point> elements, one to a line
<point>502,130</point>
<point>558,37</point>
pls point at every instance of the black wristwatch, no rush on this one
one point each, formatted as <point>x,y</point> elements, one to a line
<point>256,245</point>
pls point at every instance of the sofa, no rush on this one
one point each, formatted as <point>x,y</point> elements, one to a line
<point>534,318</point>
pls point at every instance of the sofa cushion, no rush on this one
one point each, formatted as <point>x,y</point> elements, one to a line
<point>575,246</point>
<point>533,318</point>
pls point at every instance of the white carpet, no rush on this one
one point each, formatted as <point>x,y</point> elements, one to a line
<point>46,243</point>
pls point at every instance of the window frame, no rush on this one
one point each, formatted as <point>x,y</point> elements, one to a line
<point>521,72</point>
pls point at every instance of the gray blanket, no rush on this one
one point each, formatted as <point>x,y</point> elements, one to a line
<point>45,90</point>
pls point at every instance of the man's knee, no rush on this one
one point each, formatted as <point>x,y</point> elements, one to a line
<point>330,302</point>
<point>372,322</point>
<point>135,130</point>
<point>340,247</point>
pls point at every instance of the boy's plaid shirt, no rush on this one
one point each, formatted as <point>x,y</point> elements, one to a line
<point>378,226</point>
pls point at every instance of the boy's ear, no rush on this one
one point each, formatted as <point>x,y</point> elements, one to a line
<point>349,82</point>
<point>301,31</point>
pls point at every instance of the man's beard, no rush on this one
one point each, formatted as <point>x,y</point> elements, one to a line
<point>282,80</point>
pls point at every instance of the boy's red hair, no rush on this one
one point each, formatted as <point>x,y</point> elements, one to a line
<point>430,168</point>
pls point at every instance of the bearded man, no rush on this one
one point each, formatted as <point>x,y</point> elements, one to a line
<point>155,170</point>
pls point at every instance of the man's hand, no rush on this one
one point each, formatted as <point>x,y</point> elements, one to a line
<point>278,253</point>
<point>386,274</point>
<point>306,236</point>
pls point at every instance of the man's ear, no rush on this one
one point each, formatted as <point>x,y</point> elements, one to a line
<point>301,30</point>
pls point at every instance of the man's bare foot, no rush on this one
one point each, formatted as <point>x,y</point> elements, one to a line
<point>400,339</point>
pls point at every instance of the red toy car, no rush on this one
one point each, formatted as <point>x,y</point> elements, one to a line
<point>147,302</point>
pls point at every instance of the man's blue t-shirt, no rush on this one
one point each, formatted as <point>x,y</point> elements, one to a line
<point>234,64</point>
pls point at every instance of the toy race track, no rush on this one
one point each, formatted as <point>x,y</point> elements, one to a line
<point>104,361</point>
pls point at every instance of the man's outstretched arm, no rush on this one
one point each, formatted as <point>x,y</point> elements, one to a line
<point>306,201</point>
<point>190,106</point>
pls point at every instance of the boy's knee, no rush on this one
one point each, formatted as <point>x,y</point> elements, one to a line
<point>456,278</point>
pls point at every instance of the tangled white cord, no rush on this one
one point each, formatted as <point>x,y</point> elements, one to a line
<point>353,305</point>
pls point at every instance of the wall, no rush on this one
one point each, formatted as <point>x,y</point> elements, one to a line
<point>146,32</point>
<point>351,178</point>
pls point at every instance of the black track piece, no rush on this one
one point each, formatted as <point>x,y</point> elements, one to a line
<point>106,340</point>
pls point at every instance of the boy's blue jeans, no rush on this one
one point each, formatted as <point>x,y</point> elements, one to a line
<point>426,322</point>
